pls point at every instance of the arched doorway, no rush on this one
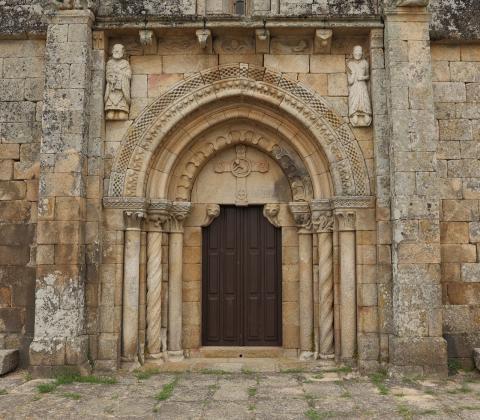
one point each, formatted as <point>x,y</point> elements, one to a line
<point>242,110</point>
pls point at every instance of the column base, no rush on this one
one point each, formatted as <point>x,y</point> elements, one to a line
<point>326,356</point>
<point>306,355</point>
<point>175,355</point>
<point>159,357</point>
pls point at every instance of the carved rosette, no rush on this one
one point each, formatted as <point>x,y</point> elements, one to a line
<point>302,216</point>
<point>212,212</point>
<point>178,212</point>
<point>345,220</point>
<point>270,212</point>
<point>133,219</point>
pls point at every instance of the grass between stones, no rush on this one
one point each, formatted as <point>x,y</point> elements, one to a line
<point>167,390</point>
<point>252,391</point>
<point>3,391</point>
<point>378,380</point>
<point>72,395</point>
<point>146,374</point>
<point>214,372</point>
<point>70,378</point>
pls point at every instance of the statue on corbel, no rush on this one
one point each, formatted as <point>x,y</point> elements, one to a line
<point>117,90</point>
<point>359,105</point>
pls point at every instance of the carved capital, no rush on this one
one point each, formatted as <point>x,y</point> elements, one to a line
<point>322,218</point>
<point>178,212</point>
<point>270,212</point>
<point>133,219</point>
<point>158,214</point>
<point>302,215</point>
<point>212,212</point>
<point>346,221</point>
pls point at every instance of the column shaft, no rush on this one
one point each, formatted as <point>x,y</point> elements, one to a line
<point>305,263</point>
<point>154,292</point>
<point>325,288</point>
<point>175,292</point>
<point>348,308</point>
<point>131,282</point>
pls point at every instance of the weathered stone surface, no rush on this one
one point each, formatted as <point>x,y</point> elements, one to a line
<point>476,357</point>
<point>8,361</point>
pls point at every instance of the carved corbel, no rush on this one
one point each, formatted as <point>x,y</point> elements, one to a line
<point>270,212</point>
<point>323,41</point>
<point>133,219</point>
<point>262,41</point>
<point>302,216</point>
<point>203,36</point>
<point>147,37</point>
<point>178,212</point>
<point>345,220</point>
<point>212,212</point>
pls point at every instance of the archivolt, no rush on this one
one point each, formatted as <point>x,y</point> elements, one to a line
<point>239,80</point>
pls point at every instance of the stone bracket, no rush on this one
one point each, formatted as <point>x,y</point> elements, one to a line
<point>270,212</point>
<point>322,43</point>
<point>212,212</point>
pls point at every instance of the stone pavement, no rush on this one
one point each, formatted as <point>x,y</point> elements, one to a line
<point>217,394</point>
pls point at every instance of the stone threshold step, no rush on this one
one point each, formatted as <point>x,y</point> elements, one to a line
<point>238,352</point>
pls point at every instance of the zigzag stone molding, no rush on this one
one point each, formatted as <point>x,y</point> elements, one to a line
<point>233,80</point>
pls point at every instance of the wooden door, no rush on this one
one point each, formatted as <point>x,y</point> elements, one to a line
<point>241,293</point>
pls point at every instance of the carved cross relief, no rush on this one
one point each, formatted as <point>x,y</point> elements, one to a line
<point>241,167</point>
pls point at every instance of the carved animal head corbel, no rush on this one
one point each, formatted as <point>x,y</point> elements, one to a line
<point>270,212</point>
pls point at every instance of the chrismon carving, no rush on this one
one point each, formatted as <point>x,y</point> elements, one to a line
<point>270,212</point>
<point>235,80</point>
<point>117,91</point>
<point>359,107</point>
<point>241,168</point>
<point>212,212</point>
<point>297,175</point>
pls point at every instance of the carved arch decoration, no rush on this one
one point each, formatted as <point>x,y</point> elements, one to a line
<point>312,112</point>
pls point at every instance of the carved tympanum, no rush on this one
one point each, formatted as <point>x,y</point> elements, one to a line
<point>117,91</point>
<point>270,212</point>
<point>359,106</point>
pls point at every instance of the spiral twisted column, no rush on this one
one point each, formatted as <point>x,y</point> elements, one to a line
<point>322,220</point>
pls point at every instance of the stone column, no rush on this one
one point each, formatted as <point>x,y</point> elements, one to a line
<point>322,220</point>
<point>131,285</point>
<point>178,213</point>
<point>348,289</point>
<point>302,216</point>
<point>417,343</point>
<point>60,327</point>
<point>157,216</point>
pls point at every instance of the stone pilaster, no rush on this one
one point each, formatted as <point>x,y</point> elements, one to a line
<point>131,285</point>
<point>156,219</point>
<point>416,343</point>
<point>303,220</point>
<point>348,283</point>
<point>60,330</point>
<point>178,212</point>
<point>322,220</point>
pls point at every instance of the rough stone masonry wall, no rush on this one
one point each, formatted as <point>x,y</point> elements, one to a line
<point>456,81</point>
<point>21,94</point>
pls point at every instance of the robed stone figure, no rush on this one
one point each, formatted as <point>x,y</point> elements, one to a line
<point>359,107</point>
<point>117,91</point>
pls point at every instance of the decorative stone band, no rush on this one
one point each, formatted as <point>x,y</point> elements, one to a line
<point>270,212</point>
<point>353,202</point>
<point>302,216</point>
<point>125,203</point>
<point>133,220</point>
<point>212,212</point>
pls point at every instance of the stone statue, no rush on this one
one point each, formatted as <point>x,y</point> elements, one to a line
<point>359,107</point>
<point>117,92</point>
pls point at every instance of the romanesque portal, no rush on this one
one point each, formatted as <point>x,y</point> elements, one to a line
<point>298,176</point>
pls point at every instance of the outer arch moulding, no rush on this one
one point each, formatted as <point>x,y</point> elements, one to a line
<point>340,146</point>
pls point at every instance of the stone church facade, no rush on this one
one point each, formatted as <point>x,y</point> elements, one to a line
<point>185,178</point>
